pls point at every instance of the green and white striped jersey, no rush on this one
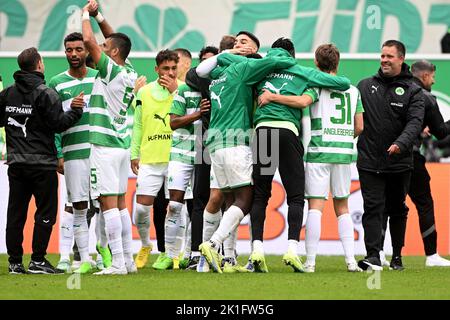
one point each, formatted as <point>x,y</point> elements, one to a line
<point>110,99</point>
<point>186,102</point>
<point>75,140</point>
<point>332,125</point>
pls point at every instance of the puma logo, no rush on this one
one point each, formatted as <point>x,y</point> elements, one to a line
<point>158,117</point>
<point>271,87</point>
<point>374,89</point>
<point>13,122</point>
<point>214,96</point>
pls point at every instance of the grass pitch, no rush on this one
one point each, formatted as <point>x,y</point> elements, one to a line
<point>331,281</point>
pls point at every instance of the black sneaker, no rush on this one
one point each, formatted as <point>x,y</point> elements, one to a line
<point>16,268</point>
<point>396,264</point>
<point>193,262</point>
<point>231,260</point>
<point>370,263</point>
<point>43,267</point>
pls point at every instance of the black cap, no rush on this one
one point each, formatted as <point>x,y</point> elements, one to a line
<point>251,36</point>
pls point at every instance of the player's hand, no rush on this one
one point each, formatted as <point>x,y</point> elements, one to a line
<point>205,106</point>
<point>92,8</point>
<point>140,82</point>
<point>135,166</point>
<point>426,132</point>
<point>265,98</point>
<point>78,101</point>
<point>243,51</point>
<point>60,167</point>
<point>169,83</point>
<point>394,149</point>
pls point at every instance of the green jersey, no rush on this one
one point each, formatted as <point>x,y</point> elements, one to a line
<point>74,141</point>
<point>187,101</point>
<point>232,98</point>
<point>111,97</point>
<point>332,125</point>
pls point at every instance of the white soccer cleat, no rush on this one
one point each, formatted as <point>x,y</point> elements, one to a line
<point>76,264</point>
<point>112,271</point>
<point>436,261</point>
<point>203,265</point>
<point>131,267</point>
<point>384,262</point>
<point>309,268</point>
<point>352,266</point>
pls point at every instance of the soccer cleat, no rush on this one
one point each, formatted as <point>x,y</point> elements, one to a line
<point>370,263</point>
<point>164,263</point>
<point>294,261</point>
<point>249,266</point>
<point>64,265</point>
<point>16,268</point>
<point>106,255</point>
<point>309,268</point>
<point>76,264</point>
<point>43,267</point>
<point>184,263</point>
<point>203,265</point>
<point>230,260</point>
<point>131,267</point>
<point>259,262</point>
<point>384,262</point>
<point>396,264</point>
<point>84,268</point>
<point>352,266</point>
<point>212,255</point>
<point>112,270</point>
<point>176,263</point>
<point>142,256</point>
<point>436,261</point>
<point>193,262</point>
<point>99,263</point>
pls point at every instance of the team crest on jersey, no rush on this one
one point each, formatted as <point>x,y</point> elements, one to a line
<point>400,91</point>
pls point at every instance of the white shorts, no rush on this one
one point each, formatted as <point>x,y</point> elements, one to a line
<point>233,167</point>
<point>109,171</point>
<point>181,175</point>
<point>150,179</point>
<point>213,180</point>
<point>77,175</point>
<point>319,177</point>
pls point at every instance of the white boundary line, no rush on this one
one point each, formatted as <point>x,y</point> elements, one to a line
<point>344,56</point>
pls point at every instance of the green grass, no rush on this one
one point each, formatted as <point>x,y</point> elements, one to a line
<point>331,281</point>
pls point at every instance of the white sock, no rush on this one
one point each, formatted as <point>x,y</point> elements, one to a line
<point>103,239</point>
<point>171,228</point>
<point>195,254</point>
<point>127,235</point>
<point>81,233</point>
<point>66,238</point>
<point>142,222</point>
<point>293,246</point>
<point>113,226</point>
<point>211,222</point>
<point>97,233</point>
<point>181,231</point>
<point>258,246</point>
<point>230,221</point>
<point>187,247</point>
<point>229,244</point>
<point>312,236</point>
<point>345,227</point>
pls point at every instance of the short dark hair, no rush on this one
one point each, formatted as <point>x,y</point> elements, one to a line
<point>166,55</point>
<point>28,59</point>
<point>421,66</point>
<point>74,36</point>
<point>397,44</point>
<point>184,52</point>
<point>327,57</point>
<point>122,42</point>
<point>208,49</point>
<point>227,42</point>
<point>286,44</point>
<point>251,36</point>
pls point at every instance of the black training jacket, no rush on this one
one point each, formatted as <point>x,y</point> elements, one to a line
<point>393,114</point>
<point>31,114</point>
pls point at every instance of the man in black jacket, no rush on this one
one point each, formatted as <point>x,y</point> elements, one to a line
<point>32,113</point>
<point>394,111</point>
<point>419,189</point>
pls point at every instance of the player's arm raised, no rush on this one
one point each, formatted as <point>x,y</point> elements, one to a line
<point>88,35</point>
<point>106,28</point>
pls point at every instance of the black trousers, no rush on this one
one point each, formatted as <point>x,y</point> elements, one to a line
<point>420,194</point>
<point>384,196</point>
<point>159,218</point>
<point>277,148</point>
<point>201,197</point>
<point>24,183</point>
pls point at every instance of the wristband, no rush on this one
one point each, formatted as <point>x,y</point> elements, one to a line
<point>100,18</point>
<point>85,16</point>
